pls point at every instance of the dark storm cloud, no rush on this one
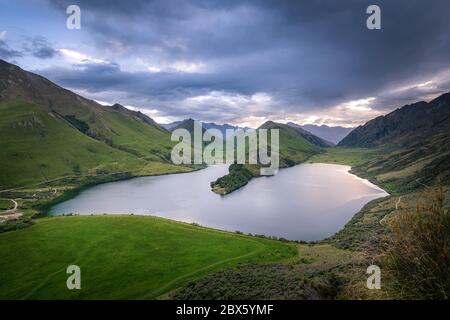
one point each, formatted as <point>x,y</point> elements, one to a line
<point>306,54</point>
<point>8,53</point>
<point>41,48</point>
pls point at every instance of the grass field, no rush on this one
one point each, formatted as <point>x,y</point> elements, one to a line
<point>342,155</point>
<point>121,257</point>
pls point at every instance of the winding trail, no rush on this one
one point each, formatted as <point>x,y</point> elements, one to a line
<point>396,208</point>
<point>398,202</point>
<point>13,209</point>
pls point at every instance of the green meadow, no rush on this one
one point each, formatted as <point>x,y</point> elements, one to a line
<point>344,155</point>
<point>121,257</point>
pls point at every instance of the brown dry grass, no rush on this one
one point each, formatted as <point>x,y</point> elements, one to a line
<point>418,248</point>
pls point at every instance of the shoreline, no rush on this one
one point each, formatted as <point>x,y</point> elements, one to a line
<point>43,209</point>
<point>74,192</point>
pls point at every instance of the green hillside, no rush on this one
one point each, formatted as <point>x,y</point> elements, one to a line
<point>115,125</point>
<point>38,146</point>
<point>121,257</point>
<point>296,145</point>
<point>49,132</point>
<point>140,138</point>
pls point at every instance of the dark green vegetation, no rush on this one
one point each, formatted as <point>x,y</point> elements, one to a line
<point>238,176</point>
<point>121,257</point>
<point>315,274</point>
<point>296,146</point>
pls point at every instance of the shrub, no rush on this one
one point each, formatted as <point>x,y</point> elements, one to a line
<point>418,248</point>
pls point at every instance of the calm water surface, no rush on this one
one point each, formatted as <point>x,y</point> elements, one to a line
<point>305,202</point>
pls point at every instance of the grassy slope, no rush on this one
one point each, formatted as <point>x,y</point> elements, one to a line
<point>120,256</point>
<point>400,171</point>
<point>148,141</point>
<point>294,148</point>
<point>117,126</point>
<point>37,147</point>
<point>343,155</point>
<point>408,169</point>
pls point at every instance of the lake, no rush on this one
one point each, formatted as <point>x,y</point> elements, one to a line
<point>304,202</point>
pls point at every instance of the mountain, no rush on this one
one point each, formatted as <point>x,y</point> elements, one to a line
<point>332,134</point>
<point>171,125</point>
<point>412,144</point>
<point>117,126</point>
<point>222,127</point>
<point>296,132</point>
<point>48,131</point>
<point>187,124</point>
<point>407,125</point>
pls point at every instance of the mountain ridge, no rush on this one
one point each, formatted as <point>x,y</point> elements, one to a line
<point>117,126</point>
<point>403,126</point>
<point>331,134</point>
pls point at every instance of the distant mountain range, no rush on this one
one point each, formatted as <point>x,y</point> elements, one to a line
<point>297,132</point>
<point>329,134</point>
<point>332,134</point>
<point>188,124</point>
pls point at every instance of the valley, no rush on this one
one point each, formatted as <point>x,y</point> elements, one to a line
<point>55,144</point>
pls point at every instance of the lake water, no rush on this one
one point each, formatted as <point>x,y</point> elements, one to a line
<point>305,202</point>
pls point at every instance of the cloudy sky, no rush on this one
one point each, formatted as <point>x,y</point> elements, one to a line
<point>241,62</point>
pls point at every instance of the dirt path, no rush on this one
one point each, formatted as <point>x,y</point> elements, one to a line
<point>398,202</point>
<point>4,216</point>
<point>10,210</point>
<point>12,216</point>
<point>396,208</point>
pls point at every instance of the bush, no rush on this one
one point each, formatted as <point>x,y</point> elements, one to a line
<point>238,176</point>
<point>418,249</point>
<point>14,225</point>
